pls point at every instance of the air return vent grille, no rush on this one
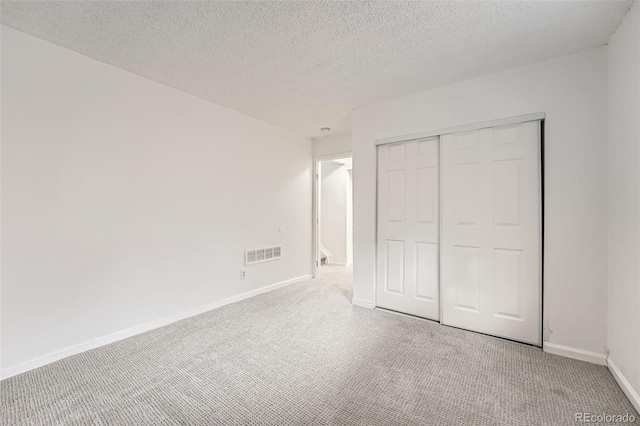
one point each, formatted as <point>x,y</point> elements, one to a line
<point>262,255</point>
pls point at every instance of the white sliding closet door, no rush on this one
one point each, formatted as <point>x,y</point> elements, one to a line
<point>491,231</point>
<point>408,208</point>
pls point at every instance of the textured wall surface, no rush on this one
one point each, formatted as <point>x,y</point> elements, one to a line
<point>304,65</point>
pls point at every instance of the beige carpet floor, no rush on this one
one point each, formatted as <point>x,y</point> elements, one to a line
<point>304,355</point>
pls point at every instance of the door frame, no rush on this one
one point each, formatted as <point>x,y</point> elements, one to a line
<point>462,128</point>
<point>537,116</point>
<point>316,205</point>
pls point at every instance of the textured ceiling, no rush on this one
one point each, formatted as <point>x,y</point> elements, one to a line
<point>305,65</point>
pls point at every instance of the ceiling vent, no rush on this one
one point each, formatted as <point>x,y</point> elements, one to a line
<point>262,255</point>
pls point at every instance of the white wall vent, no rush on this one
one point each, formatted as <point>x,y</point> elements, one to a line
<point>262,255</point>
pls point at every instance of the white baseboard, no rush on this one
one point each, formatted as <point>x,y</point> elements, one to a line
<point>579,354</point>
<point>123,334</point>
<point>631,393</point>
<point>362,303</point>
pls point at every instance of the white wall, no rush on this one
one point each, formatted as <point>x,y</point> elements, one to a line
<point>335,144</point>
<point>572,92</point>
<point>333,210</point>
<point>624,198</point>
<point>124,201</point>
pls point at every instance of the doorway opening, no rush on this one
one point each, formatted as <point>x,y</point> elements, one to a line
<point>333,218</point>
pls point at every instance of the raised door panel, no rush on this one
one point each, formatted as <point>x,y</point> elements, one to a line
<point>427,194</point>
<point>465,277</point>
<point>426,271</point>
<point>394,282</point>
<point>396,194</point>
<point>465,193</point>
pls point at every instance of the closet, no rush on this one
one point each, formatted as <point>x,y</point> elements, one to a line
<point>459,229</point>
